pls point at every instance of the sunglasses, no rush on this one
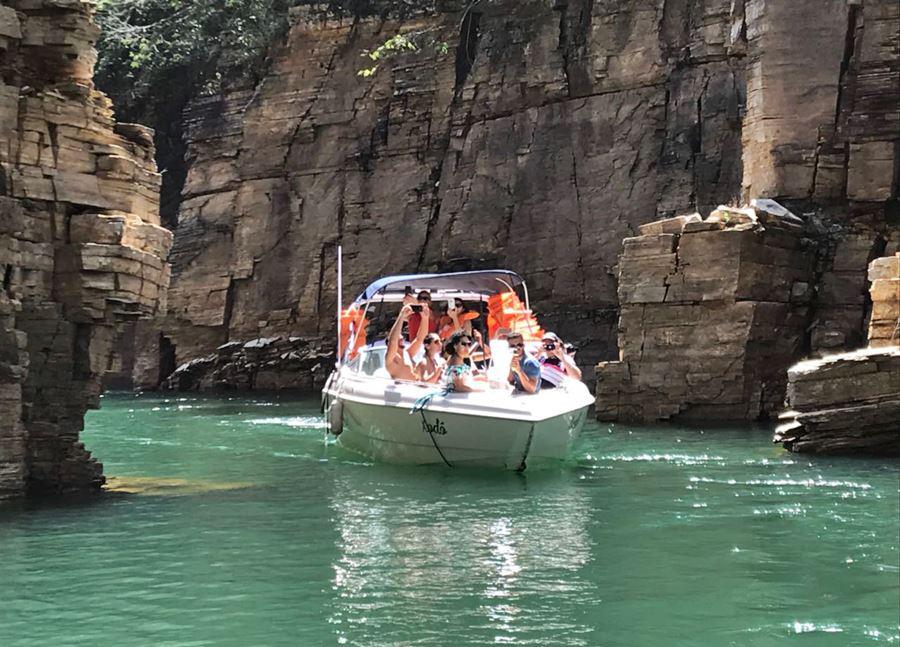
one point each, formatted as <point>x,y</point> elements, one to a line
<point>432,341</point>
<point>465,343</point>
<point>519,345</point>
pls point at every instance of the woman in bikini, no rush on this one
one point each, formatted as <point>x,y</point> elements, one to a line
<point>431,368</point>
<point>457,375</point>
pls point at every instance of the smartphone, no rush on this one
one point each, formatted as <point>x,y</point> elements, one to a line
<point>451,305</point>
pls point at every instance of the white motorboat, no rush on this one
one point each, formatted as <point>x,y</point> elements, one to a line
<point>407,422</point>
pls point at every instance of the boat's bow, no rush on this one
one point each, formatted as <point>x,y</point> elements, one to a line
<point>405,422</point>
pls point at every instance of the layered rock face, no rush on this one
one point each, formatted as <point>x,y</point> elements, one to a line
<point>712,312</point>
<point>543,135</point>
<point>847,403</point>
<point>80,246</point>
<point>536,142</point>
<point>266,364</point>
<point>850,402</point>
<point>884,324</point>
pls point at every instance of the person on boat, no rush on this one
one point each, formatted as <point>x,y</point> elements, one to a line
<point>556,363</point>
<point>421,303</point>
<point>457,374</point>
<point>457,317</point>
<point>398,359</point>
<point>524,370</point>
<point>480,351</point>
<point>431,368</point>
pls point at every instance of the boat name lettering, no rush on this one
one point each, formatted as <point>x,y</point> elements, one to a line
<point>437,428</point>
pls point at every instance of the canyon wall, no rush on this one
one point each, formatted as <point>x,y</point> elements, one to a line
<point>81,251</point>
<point>536,141</point>
<point>849,403</point>
<point>712,314</point>
<point>544,134</point>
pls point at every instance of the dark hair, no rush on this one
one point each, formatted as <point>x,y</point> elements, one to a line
<point>451,344</point>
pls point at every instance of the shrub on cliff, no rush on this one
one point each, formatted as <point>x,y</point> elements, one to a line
<point>153,50</point>
<point>154,56</point>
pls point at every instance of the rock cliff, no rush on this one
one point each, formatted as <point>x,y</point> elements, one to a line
<point>539,139</point>
<point>267,364</point>
<point>80,246</point>
<point>712,314</point>
<point>849,403</point>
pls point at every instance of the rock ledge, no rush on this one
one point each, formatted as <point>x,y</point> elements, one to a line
<point>844,404</point>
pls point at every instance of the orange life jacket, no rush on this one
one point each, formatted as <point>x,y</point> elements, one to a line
<point>352,321</point>
<point>506,310</point>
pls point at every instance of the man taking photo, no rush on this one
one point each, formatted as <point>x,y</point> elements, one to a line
<point>524,370</point>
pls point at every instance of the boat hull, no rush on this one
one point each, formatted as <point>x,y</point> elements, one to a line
<point>456,429</point>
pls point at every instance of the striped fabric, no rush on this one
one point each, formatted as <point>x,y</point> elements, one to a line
<point>552,372</point>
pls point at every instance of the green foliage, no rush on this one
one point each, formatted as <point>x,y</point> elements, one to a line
<point>393,45</point>
<point>154,56</point>
<point>152,50</point>
<point>412,41</point>
<point>415,41</point>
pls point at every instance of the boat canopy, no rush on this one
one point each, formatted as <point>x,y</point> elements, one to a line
<point>463,284</point>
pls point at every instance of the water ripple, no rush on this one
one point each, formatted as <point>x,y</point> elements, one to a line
<point>244,528</point>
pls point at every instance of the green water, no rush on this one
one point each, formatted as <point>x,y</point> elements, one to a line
<point>249,530</point>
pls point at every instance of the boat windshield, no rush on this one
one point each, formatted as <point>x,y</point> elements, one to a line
<point>370,361</point>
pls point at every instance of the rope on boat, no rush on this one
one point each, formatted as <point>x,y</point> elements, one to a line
<point>521,467</point>
<point>419,406</point>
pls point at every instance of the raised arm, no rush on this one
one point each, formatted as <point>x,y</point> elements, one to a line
<point>393,344</point>
<point>517,367</point>
<point>479,339</point>
<point>530,384</point>
<point>571,367</point>
<point>416,344</point>
<point>449,324</point>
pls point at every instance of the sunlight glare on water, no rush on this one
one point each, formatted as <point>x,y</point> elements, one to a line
<point>234,523</point>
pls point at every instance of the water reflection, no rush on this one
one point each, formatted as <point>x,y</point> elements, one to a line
<point>647,537</point>
<point>458,566</point>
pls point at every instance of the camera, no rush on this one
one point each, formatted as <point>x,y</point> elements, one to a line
<point>416,308</point>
